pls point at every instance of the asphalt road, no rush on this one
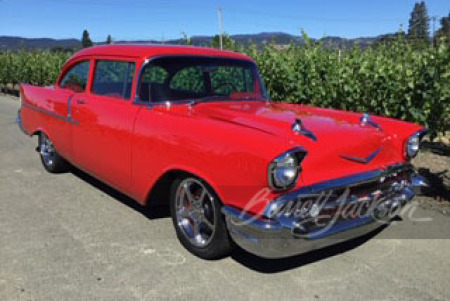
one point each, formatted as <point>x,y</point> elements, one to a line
<point>68,237</point>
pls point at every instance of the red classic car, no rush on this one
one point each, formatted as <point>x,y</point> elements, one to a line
<point>195,128</point>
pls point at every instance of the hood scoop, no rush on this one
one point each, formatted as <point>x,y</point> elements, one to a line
<point>299,128</point>
<point>362,160</point>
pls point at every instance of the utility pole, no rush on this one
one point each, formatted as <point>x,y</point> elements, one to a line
<point>433,19</point>
<point>220,27</point>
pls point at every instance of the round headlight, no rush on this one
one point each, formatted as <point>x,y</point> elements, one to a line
<point>412,146</point>
<point>283,171</point>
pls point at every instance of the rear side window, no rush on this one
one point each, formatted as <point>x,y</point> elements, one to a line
<point>76,78</point>
<point>113,79</point>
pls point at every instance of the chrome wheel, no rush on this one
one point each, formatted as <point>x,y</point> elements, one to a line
<point>47,150</point>
<point>195,212</point>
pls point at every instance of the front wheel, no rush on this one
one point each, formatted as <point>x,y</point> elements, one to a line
<point>197,219</point>
<point>50,158</point>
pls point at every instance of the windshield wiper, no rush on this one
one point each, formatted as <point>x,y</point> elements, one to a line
<point>193,102</point>
<point>196,101</point>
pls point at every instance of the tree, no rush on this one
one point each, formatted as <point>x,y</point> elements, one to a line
<point>109,40</point>
<point>227,42</point>
<point>86,40</point>
<point>419,23</point>
<point>444,31</point>
<point>186,39</point>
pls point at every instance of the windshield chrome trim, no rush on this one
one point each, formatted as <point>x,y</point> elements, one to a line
<point>150,104</point>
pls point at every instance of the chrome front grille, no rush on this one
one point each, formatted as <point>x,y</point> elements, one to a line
<point>349,199</point>
<point>369,200</point>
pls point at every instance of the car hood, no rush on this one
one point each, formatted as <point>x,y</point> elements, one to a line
<point>342,145</point>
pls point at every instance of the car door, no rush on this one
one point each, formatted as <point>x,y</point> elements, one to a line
<point>102,140</point>
<point>73,81</point>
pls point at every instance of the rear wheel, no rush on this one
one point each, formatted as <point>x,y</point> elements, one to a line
<point>197,218</point>
<point>50,158</point>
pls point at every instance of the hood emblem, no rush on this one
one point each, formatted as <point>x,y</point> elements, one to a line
<point>299,128</point>
<point>362,160</point>
<point>366,119</point>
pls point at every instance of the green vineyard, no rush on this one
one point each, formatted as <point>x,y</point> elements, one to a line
<point>396,79</point>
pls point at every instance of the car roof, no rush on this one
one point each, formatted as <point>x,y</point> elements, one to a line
<point>146,51</point>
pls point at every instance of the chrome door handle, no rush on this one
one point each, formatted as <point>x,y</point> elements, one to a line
<point>81,101</point>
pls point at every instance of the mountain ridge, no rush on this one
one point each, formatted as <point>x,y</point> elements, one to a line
<point>15,43</point>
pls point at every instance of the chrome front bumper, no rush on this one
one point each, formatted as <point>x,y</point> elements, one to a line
<point>275,234</point>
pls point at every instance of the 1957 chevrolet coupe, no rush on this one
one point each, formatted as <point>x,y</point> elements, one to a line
<point>195,128</point>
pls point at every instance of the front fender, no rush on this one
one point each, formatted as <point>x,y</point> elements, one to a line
<point>233,160</point>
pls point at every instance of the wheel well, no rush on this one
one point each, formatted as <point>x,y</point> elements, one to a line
<point>160,192</point>
<point>36,133</point>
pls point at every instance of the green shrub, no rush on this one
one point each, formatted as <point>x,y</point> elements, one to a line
<point>395,79</point>
<point>36,67</point>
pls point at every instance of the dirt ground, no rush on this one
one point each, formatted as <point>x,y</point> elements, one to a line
<point>435,167</point>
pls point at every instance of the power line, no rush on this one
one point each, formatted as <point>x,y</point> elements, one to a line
<point>309,18</point>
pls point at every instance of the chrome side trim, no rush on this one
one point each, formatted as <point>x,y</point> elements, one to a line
<point>49,113</point>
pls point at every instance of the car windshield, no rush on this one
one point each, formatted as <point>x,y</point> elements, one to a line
<point>179,79</point>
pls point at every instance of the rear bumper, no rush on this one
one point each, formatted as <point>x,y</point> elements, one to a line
<point>19,123</point>
<point>276,234</point>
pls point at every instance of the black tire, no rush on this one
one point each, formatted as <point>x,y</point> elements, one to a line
<point>50,158</point>
<point>219,244</point>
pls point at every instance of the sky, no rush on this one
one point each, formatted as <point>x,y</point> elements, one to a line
<point>163,20</point>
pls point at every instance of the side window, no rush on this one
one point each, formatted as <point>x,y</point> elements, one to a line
<point>113,79</point>
<point>189,79</point>
<point>152,83</point>
<point>76,78</point>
